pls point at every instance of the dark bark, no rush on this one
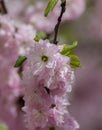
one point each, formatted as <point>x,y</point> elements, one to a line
<point>3,9</point>
<point>63,8</point>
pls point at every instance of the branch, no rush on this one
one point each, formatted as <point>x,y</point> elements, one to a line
<point>63,8</point>
<point>3,9</point>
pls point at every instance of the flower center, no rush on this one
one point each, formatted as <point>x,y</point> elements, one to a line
<point>44,58</point>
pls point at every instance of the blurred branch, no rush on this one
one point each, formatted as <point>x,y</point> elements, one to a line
<point>3,9</point>
<point>63,7</point>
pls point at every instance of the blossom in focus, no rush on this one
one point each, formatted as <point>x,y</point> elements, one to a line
<point>47,80</point>
<point>41,56</point>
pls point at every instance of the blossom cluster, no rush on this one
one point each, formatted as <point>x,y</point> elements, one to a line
<point>47,79</point>
<point>9,79</point>
<point>13,43</point>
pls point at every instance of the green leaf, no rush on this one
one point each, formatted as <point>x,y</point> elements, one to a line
<point>40,35</point>
<point>68,49</point>
<point>2,127</point>
<point>50,6</point>
<point>75,61</point>
<point>20,61</point>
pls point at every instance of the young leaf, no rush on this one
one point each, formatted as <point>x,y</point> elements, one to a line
<point>68,49</point>
<point>40,35</point>
<point>2,127</point>
<point>20,61</point>
<point>75,61</point>
<point>50,6</point>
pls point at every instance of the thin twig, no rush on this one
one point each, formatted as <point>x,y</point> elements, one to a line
<point>3,9</point>
<point>63,8</point>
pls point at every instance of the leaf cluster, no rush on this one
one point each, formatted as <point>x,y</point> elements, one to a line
<point>68,51</point>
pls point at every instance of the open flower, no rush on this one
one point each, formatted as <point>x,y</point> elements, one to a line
<point>41,56</point>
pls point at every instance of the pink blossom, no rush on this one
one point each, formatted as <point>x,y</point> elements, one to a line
<point>35,118</point>
<point>35,16</point>
<point>69,124</point>
<point>24,36</point>
<point>58,110</point>
<point>16,12</point>
<point>41,56</point>
<point>10,82</point>
<point>63,75</point>
<point>8,49</point>
<point>46,100</point>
